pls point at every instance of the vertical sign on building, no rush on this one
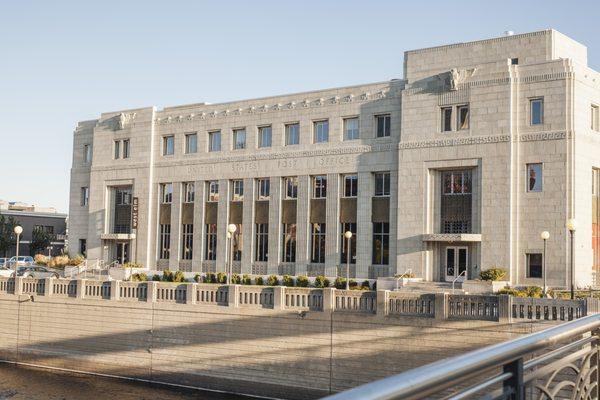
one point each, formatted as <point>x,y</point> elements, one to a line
<point>134,213</point>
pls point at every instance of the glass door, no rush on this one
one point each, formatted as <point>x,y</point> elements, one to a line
<point>122,253</point>
<point>457,259</point>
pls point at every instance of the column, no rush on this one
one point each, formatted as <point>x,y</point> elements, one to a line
<point>332,236</point>
<point>222,222</point>
<point>175,252</point>
<point>198,247</point>
<point>248,226</point>
<point>274,226</point>
<point>302,237</point>
<point>364,224</point>
<point>393,222</point>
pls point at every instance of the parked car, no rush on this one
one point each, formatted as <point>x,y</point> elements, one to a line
<point>3,261</point>
<point>23,261</point>
<point>6,272</point>
<point>36,271</point>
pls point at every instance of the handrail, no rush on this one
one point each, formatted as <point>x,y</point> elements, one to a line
<point>435,377</point>
<point>408,271</point>
<point>455,279</point>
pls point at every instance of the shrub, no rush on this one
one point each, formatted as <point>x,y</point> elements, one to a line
<point>58,262</point>
<point>321,282</point>
<point>139,277</point>
<point>492,274</point>
<point>259,281</point>
<point>246,280</point>
<point>302,281</point>
<point>197,278</point>
<point>365,285</point>
<point>288,281</point>
<point>77,260</point>
<point>179,277</point>
<point>167,275</point>
<point>339,283</point>
<point>272,280</point>
<point>156,278</point>
<point>221,277</point>
<point>529,291</point>
<point>132,265</point>
<point>236,279</point>
<point>209,278</point>
<point>40,259</point>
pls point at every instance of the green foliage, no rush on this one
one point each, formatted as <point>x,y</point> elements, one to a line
<point>302,281</point>
<point>340,283</point>
<point>236,279</point>
<point>127,265</point>
<point>246,280</point>
<point>209,278</point>
<point>156,278</point>
<point>365,285</point>
<point>321,282</point>
<point>7,234</point>
<point>259,281</point>
<point>221,277</point>
<point>288,281</point>
<point>493,274</point>
<point>197,278</point>
<point>78,259</point>
<point>179,277</point>
<point>272,280</point>
<point>40,240</point>
<point>139,277</point>
<point>529,291</point>
<point>167,276</point>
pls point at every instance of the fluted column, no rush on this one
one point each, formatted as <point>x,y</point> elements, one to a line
<point>248,226</point>
<point>222,222</point>
<point>302,236</point>
<point>175,251</point>
<point>332,235</point>
<point>198,247</point>
<point>364,226</point>
<point>274,225</point>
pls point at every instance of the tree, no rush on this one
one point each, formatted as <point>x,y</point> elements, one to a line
<point>7,234</point>
<point>40,241</point>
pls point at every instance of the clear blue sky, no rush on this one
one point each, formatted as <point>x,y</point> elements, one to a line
<point>66,61</point>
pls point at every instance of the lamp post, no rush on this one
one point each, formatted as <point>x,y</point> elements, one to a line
<point>544,235</point>
<point>348,236</point>
<point>231,228</point>
<point>18,231</point>
<point>572,226</point>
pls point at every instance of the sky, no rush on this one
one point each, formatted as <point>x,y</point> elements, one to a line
<point>68,61</point>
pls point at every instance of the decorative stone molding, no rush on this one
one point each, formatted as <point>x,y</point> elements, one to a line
<point>452,237</point>
<point>530,137</point>
<point>122,120</point>
<point>534,137</point>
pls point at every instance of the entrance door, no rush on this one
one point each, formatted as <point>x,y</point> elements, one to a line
<point>457,259</point>
<point>122,253</point>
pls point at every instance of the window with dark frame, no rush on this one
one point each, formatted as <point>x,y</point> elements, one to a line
<point>85,196</point>
<point>383,125</point>
<point>446,119</point>
<point>166,193</point>
<point>189,192</point>
<point>289,243</point>
<point>292,134</point>
<point>264,188</point>
<point>117,149</point>
<point>213,191</point>
<point>317,249</point>
<point>164,242</point>
<point>351,128</point>
<point>214,141</point>
<point>462,113</point>
<point>291,187</point>
<point>187,241</point>
<point>536,111</point>
<point>237,193</point>
<point>535,265</point>
<point>320,187</point>
<point>191,143</point>
<point>265,136</point>
<point>239,139</point>
<point>126,148</point>
<point>168,145</point>
<point>210,252</point>
<point>262,242</point>
<point>350,185</point>
<point>345,227</point>
<point>382,184</point>
<point>381,243</point>
<point>321,131</point>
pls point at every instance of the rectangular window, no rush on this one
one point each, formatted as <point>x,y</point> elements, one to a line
<point>456,182</point>
<point>264,136</point>
<point>191,143</point>
<point>350,185</point>
<point>237,193</point>
<point>320,187</point>
<point>87,153</point>
<point>117,148</point>
<point>210,253</point>
<point>348,226</point>
<point>126,149</point>
<point>83,247</point>
<point>239,139</point>
<point>291,187</point>
<point>317,243</point>
<point>536,111</point>
<point>164,245</point>
<point>85,196</point>
<point>262,242</point>
<point>383,125</point>
<point>382,184</point>
<point>381,243</point>
<point>321,131</point>
<point>534,265</point>
<point>462,113</point>
<point>237,243</point>
<point>168,145</point>
<point>595,117</point>
<point>350,128</point>
<point>534,177</point>
<point>213,191</point>
<point>264,188</point>
<point>187,241</point>
<point>189,192</point>
<point>289,243</point>
<point>214,141</point>
<point>166,193</point>
<point>446,119</point>
<point>123,196</point>
<point>292,134</point>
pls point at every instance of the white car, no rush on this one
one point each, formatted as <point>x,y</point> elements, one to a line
<point>6,272</point>
<point>24,261</point>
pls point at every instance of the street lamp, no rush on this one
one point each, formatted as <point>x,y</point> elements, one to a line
<point>18,231</point>
<point>572,226</point>
<point>544,235</point>
<point>348,236</point>
<point>231,228</point>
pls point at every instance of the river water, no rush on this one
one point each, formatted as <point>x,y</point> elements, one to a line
<point>22,383</point>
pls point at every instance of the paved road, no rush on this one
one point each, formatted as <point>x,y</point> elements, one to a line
<point>20,383</point>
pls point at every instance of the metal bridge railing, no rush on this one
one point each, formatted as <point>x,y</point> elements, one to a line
<point>559,362</point>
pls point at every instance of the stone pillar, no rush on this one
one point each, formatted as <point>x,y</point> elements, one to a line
<point>279,297</point>
<point>222,222</point>
<point>233,296</point>
<point>328,299</point>
<point>364,224</point>
<point>115,290</point>
<point>175,252</point>
<point>198,245</point>
<point>18,285</point>
<point>190,293</point>
<point>505,309</point>
<point>248,226</point>
<point>393,222</point>
<point>302,236</point>
<point>332,235</point>
<point>274,226</point>
<point>441,306</point>
<point>382,302</point>
<point>48,287</point>
<point>151,295</point>
<point>81,288</point>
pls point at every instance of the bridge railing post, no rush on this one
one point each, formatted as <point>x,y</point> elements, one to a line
<point>48,287</point>
<point>441,306</point>
<point>514,388</point>
<point>382,302</point>
<point>505,308</point>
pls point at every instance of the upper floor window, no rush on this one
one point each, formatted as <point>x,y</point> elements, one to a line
<point>321,131</point>
<point>320,187</point>
<point>462,115</point>
<point>168,145</point>
<point>291,187</point>
<point>85,196</point>
<point>239,139</point>
<point>382,184</point>
<point>350,185</point>
<point>87,153</point>
<point>292,134</point>
<point>166,193</point>
<point>595,117</point>
<point>264,188</point>
<point>191,143</point>
<point>189,192</point>
<point>117,149</point>
<point>446,119</point>
<point>264,136</point>
<point>456,182</point>
<point>123,196</point>
<point>534,177</point>
<point>535,265</point>
<point>238,190</point>
<point>383,125</point>
<point>536,111</point>
<point>126,148</point>
<point>213,191</point>
<point>214,141</point>
<point>350,128</point>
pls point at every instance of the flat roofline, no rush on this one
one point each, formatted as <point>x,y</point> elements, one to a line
<point>33,214</point>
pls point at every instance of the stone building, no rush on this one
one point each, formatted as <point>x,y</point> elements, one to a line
<point>455,168</point>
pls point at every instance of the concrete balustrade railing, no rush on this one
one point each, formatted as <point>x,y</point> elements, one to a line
<point>382,303</point>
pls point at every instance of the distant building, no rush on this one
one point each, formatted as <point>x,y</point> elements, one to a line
<point>31,217</point>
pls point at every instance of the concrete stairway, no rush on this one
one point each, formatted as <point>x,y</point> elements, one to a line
<point>432,287</point>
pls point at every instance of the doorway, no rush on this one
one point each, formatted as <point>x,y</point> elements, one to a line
<point>457,259</point>
<point>122,252</point>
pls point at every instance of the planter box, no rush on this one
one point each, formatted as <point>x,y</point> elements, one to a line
<point>392,283</point>
<point>483,287</point>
